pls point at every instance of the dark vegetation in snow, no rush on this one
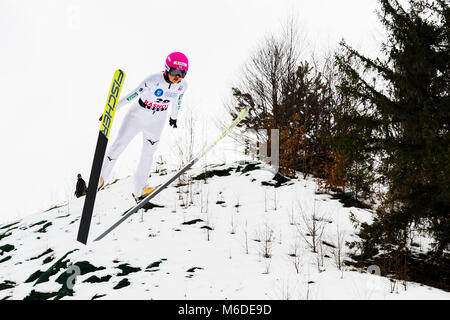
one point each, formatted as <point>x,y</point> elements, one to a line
<point>42,254</point>
<point>123,283</point>
<point>211,173</point>
<point>152,267</point>
<point>44,228</point>
<point>6,248</point>
<point>7,285</point>
<point>192,221</point>
<point>97,296</point>
<point>95,279</point>
<point>5,259</point>
<point>127,269</point>
<point>279,181</point>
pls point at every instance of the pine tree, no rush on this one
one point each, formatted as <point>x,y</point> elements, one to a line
<point>401,118</point>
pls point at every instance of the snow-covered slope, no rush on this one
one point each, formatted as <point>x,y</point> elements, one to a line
<point>237,236</point>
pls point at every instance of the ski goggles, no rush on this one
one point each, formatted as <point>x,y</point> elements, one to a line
<point>177,72</point>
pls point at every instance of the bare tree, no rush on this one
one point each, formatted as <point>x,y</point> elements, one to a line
<point>319,256</point>
<point>275,200</point>
<point>296,256</point>
<point>174,203</point>
<point>185,144</point>
<point>266,238</point>
<point>267,264</point>
<point>203,205</point>
<point>209,226</point>
<point>233,224</point>
<point>265,200</point>
<point>337,250</point>
<point>285,290</point>
<point>312,228</point>
<point>264,80</point>
<point>292,221</point>
<point>237,204</point>
<point>246,237</point>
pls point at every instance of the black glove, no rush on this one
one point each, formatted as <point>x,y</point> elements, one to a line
<point>173,122</point>
<point>101,117</point>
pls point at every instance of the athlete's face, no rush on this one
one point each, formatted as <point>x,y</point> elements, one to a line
<point>175,79</point>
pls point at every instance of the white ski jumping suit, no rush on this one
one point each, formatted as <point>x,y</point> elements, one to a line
<point>147,114</point>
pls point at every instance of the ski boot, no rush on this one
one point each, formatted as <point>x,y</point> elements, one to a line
<point>101,183</point>
<point>145,192</point>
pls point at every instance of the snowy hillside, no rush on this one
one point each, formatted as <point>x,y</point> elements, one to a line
<point>237,236</point>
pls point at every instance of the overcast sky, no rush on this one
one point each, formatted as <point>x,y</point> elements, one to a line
<point>57,59</point>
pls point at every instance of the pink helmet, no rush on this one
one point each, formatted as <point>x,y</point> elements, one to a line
<point>176,64</point>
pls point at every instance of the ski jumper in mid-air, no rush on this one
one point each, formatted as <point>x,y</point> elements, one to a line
<point>148,114</point>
